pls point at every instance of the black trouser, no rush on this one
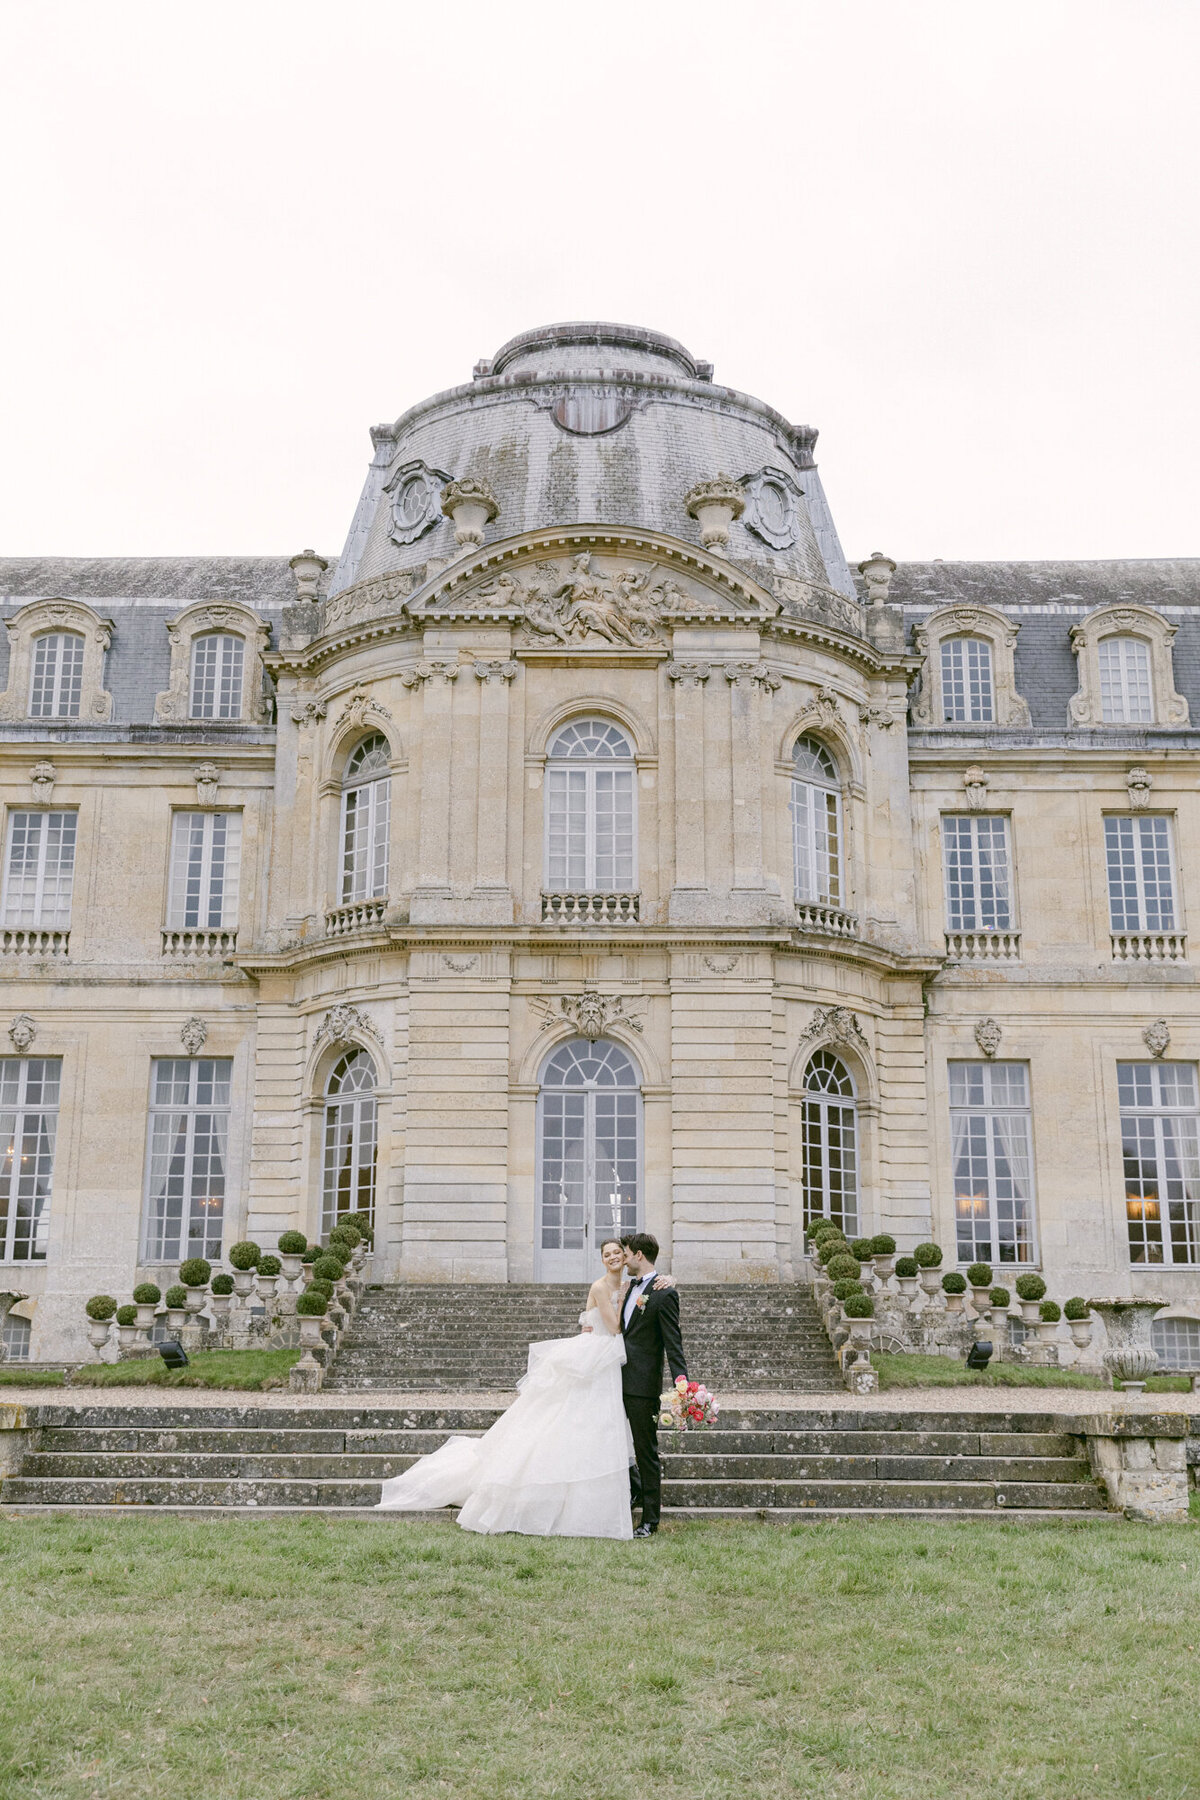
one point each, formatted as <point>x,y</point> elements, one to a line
<point>642,1412</point>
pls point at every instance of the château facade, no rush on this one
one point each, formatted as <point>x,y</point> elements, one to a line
<point>589,844</point>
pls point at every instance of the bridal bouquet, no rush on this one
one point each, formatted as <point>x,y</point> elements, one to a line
<point>688,1405</point>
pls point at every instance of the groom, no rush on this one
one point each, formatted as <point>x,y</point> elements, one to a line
<point>650,1326</point>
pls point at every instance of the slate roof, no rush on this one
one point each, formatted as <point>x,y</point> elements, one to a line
<point>177,581</point>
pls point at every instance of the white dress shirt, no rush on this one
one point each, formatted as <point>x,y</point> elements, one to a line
<point>635,1288</point>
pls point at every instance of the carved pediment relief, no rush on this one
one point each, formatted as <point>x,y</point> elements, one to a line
<point>380,598</point>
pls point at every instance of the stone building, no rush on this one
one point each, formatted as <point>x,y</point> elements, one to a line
<point>590,845</point>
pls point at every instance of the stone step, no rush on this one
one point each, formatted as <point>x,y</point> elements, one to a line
<point>810,1515</point>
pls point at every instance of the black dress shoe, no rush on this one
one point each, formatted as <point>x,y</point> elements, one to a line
<point>645,1531</point>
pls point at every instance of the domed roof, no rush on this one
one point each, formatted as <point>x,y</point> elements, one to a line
<point>591,423</point>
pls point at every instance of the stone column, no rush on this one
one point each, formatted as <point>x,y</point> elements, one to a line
<point>433,853</point>
<point>688,679</point>
<point>750,685</point>
<point>491,871</point>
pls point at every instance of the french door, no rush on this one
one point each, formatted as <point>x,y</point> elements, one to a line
<point>589,1157</point>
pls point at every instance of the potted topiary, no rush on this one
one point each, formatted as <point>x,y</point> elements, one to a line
<point>176,1302</point>
<point>306,1262</point>
<point>907,1270</point>
<point>147,1297</point>
<point>311,1307</point>
<point>127,1331</point>
<point>859,1311</point>
<point>292,1245</point>
<point>195,1274</point>
<point>268,1272</point>
<point>843,1289</point>
<point>220,1296</point>
<point>844,1268</point>
<point>980,1277</point>
<point>1001,1301</point>
<point>243,1260</point>
<point>1049,1313</point>
<point>883,1254</point>
<point>954,1286</point>
<point>830,1247</point>
<point>928,1259</point>
<point>362,1223</point>
<point>1079,1318</point>
<point>100,1310</point>
<point>1031,1289</point>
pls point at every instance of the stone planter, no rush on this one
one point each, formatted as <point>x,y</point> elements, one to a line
<point>292,1266</point>
<point>98,1330</point>
<point>1000,1317</point>
<point>243,1283</point>
<point>1031,1311</point>
<point>1130,1356</point>
<point>908,1285</point>
<point>127,1336</point>
<point>884,1266</point>
<point>955,1303</point>
<point>981,1300</point>
<point>1081,1332</point>
<point>310,1332</point>
<point>931,1281</point>
<point>306,1273</point>
<point>145,1318</point>
<point>220,1304</point>
<point>266,1286</point>
<point>196,1298</point>
<point>176,1318</point>
<point>1047,1330</point>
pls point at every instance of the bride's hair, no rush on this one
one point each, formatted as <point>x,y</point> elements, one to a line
<point>605,1242</point>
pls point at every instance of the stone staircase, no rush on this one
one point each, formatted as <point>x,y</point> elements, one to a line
<point>763,1461</point>
<point>471,1339</point>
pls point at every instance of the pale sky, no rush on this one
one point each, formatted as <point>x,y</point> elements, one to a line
<point>961,239</point>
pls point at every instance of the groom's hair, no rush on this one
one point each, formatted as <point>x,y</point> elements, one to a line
<point>642,1244</point>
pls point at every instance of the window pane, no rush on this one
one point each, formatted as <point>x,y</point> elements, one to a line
<point>1160,1148</point>
<point>217,676</point>
<point>29,1090</point>
<point>1125,695</point>
<point>829,1144</point>
<point>967,679</point>
<point>992,1161</point>
<point>39,869</point>
<point>186,1176</point>
<point>57,676</point>
<point>977,874</point>
<point>1140,883</point>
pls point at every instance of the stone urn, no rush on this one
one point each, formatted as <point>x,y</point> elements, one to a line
<point>266,1286</point>
<point>1130,1356</point>
<point>931,1281</point>
<point>306,1273</point>
<point>145,1318</point>
<point>127,1336</point>
<point>1081,1332</point>
<point>955,1302</point>
<point>1000,1323</point>
<point>220,1304</point>
<point>176,1317</point>
<point>98,1330</point>
<point>1031,1311</point>
<point>860,1335</point>
<point>715,505</point>
<point>310,1332</point>
<point>884,1266</point>
<point>243,1283</point>
<point>981,1300</point>
<point>292,1266</point>
<point>1047,1330</point>
<point>196,1296</point>
<point>908,1285</point>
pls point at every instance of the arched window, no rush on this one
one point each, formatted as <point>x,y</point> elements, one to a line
<point>351,1134</point>
<point>816,824</point>
<point>16,1337</point>
<point>1126,697</point>
<point>830,1138</point>
<point>57,681</point>
<point>218,659</point>
<point>589,1144</point>
<point>590,810</point>
<point>366,798</point>
<point>967,680</point>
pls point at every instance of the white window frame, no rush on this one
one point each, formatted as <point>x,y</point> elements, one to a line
<point>972,1244</point>
<point>579,1206</point>
<point>1137,828</point>
<point>206,846</point>
<point>1176,1217</point>
<point>1001,902</point>
<point>817,830</point>
<point>350,1121</point>
<point>32,1123</point>
<point>825,1112</point>
<point>50,906</point>
<point>1126,680</point>
<point>976,684</point>
<point>365,825</point>
<point>228,677</point>
<point>167,1120</point>
<point>64,685</point>
<point>574,797</point>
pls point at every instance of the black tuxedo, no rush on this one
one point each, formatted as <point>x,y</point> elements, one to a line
<point>651,1334</point>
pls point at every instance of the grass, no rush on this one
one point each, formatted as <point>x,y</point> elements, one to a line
<point>310,1660</point>
<point>207,1369</point>
<point>12,1375</point>
<point>912,1371</point>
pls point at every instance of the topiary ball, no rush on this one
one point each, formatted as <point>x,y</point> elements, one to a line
<point>146,1294</point>
<point>859,1306</point>
<point>245,1256</point>
<point>906,1267</point>
<point>311,1254</point>
<point>195,1272</point>
<point>127,1315</point>
<point>831,1247</point>
<point>292,1243</point>
<point>222,1284</point>
<point>312,1304</point>
<point>101,1307</point>
<point>338,1247</point>
<point>351,1233</point>
<point>844,1268</point>
<point>844,1288</point>
<point>1030,1287</point>
<point>1076,1307</point>
<point>929,1256</point>
<point>861,1247</point>
<point>329,1268</point>
<point>980,1274</point>
<point>176,1297</point>
<point>320,1287</point>
<point>954,1283</point>
<point>883,1245</point>
<point>269,1265</point>
<point>1000,1298</point>
<point>1050,1312</point>
<point>362,1222</point>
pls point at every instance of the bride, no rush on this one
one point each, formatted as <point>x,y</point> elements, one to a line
<point>556,1464</point>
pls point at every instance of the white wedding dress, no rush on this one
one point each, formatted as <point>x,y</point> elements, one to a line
<point>556,1464</point>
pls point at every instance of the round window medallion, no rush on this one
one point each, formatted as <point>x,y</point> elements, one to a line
<point>772,509</point>
<point>415,491</point>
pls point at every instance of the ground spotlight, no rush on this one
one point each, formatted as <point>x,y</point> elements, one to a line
<point>979,1356</point>
<point>173,1354</point>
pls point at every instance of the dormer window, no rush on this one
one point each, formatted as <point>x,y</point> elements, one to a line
<point>967,680</point>
<point>218,660</point>
<point>1126,696</point>
<point>57,684</point>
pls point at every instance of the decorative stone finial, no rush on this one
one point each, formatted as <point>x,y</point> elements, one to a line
<point>1157,1037</point>
<point>975,787</point>
<point>987,1036</point>
<point>307,570</point>
<point>471,505</point>
<point>193,1034</point>
<point>42,777</point>
<point>715,505</point>
<point>207,777</point>
<point>877,572</point>
<point>22,1031</point>
<point>1139,783</point>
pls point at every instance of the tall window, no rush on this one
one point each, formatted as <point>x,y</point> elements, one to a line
<point>57,675</point>
<point>1160,1142</point>
<point>189,1138</point>
<point>993,1161</point>
<point>590,1129</point>
<point>816,824</point>
<point>39,869</point>
<point>29,1087</point>
<point>205,857</point>
<point>1125,694</point>
<point>830,1140</point>
<point>1140,885</point>
<point>366,798</point>
<point>351,1131</point>
<point>967,679</point>
<point>590,810</point>
<point>217,663</point>
<point>978,884</point>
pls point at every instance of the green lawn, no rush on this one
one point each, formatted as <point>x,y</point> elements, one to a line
<point>911,1371</point>
<point>206,1368</point>
<point>307,1660</point>
<point>13,1375</point>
